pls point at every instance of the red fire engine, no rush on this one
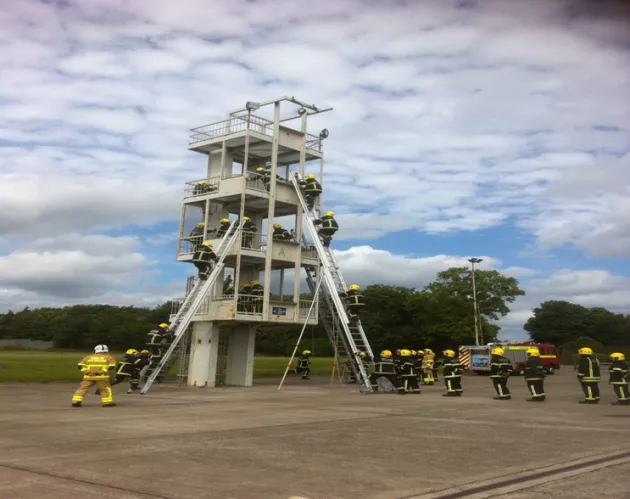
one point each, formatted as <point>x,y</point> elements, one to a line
<point>477,358</point>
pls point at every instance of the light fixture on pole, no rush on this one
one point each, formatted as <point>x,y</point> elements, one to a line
<point>301,111</point>
<point>323,134</point>
<point>252,106</point>
<point>476,310</point>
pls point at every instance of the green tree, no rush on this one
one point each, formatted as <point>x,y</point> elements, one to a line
<point>558,322</point>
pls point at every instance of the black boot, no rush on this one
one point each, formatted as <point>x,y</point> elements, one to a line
<point>76,404</point>
<point>97,392</point>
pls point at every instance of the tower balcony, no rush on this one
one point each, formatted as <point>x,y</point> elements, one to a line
<point>233,132</point>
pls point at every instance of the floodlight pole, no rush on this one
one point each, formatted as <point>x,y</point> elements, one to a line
<point>476,309</point>
<point>297,345</point>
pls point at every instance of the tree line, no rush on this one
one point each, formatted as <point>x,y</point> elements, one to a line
<point>438,316</point>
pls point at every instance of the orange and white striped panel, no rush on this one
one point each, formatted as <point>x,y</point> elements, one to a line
<point>464,357</point>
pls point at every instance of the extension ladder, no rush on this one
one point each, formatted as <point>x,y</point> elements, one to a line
<point>189,308</point>
<point>353,336</point>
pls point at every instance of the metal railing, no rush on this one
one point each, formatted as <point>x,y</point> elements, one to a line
<point>231,125</point>
<point>305,305</point>
<point>249,304</point>
<point>243,123</point>
<point>254,242</point>
<point>177,303</point>
<point>308,251</point>
<point>255,181</point>
<point>194,188</point>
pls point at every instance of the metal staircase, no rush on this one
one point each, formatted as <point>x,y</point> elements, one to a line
<point>184,316</point>
<point>352,335</point>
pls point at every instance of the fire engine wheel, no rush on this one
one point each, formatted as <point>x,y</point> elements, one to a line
<point>551,370</point>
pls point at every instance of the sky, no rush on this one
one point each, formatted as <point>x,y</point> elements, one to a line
<point>496,129</point>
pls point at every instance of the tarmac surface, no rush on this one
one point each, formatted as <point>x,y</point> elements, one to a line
<point>311,441</point>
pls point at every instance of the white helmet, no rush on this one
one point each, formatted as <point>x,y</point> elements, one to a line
<point>101,349</point>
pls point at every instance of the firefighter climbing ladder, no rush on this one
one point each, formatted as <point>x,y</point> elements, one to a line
<point>353,336</point>
<point>189,307</point>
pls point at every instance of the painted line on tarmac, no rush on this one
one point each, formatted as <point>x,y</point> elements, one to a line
<point>528,479</point>
<point>82,481</point>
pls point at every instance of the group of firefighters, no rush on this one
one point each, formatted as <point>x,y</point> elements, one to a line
<point>102,370</point>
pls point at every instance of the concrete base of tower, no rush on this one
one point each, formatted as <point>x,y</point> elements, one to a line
<point>221,355</point>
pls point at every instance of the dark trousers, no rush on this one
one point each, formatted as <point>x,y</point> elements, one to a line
<point>120,378</point>
<point>500,385</point>
<point>393,379</point>
<point>248,240</point>
<point>304,371</point>
<point>326,236</point>
<point>410,383</point>
<point>537,388</point>
<point>204,270</point>
<point>353,313</point>
<point>310,199</point>
<point>453,386</point>
<point>591,391</point>
<point>622,393</point>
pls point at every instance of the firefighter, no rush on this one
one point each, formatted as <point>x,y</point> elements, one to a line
<point>418,364</point>
<point>304,365</point>
<point>500,371</point>
<point>355,301</point>
<point>311,189</point>
<point>280,234</point>
<point>408,376</point>
<point>619,378</point>
<point>244,298</point>
<point>201,187</point>
<point>249,229</point>
<point>398,361</point>
<point>589,376</point>
<point>364,361</point>
<point>427,367</point>
<point>155,342</point>
<point>384,368</point>
<point>436,370</point>
<point>228,287</point>
<point>125,368</point>
<point>223,227</point>
<point>202,258</point>
<point>196,236</point>
<point>96,369</point>
<point>257,293</point>
<point>265,176</point>
<point>535,375</point>
<point>143,360</point>
<point>328,227</point>
<point>452,374</point>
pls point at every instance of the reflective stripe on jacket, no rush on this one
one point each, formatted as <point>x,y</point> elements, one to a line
<point>97,366</point>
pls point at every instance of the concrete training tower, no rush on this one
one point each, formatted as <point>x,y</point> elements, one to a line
<point>224,325</point>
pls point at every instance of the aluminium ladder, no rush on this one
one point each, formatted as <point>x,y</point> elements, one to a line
<point>189,308</point>
<point>353,335</point>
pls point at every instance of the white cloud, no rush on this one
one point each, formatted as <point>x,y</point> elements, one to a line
<point>446,119</point>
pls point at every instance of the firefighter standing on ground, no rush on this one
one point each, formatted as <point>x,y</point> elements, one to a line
<point>535,375</point>
<point>408,376</point>
<point>418,364</point>
<point>452,375</point>
<point>96,369</point>
<point>304,364</point>
<point>384,368</point>
<point>427,367</point>
<point>126,367</point>
<point>619,378</point>
<point>143,360</point>
<point>589,376</point>
<point>500,370</point>
<point>202,258</point>
<point>329,227</point>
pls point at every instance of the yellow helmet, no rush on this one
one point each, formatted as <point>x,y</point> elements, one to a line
<point>533,352</point>
<point>420,351</point>
<point>225,220</point>
<point>449,353</point>
<point>132,351</point>
<point>497,351</point>
<point>363,355</point>
<point>260,169</point>
<point>310,176</point>
<point>413,352</point>
<point>202,182</point>
<point>617,356</point>
<point>207,244</point>
<point>145,352</point>
<point>306,352</point>
<point>585,351</point>
<point>405,353</point>
<point>354,287</point>
<point>201,224</point>
<point>246,219</point>
<point>277,226</point>
<point>164,325</point>
<point>255,282</point>
<point>329,214</point>
<point>428,351</point>
<point>387,354</point>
